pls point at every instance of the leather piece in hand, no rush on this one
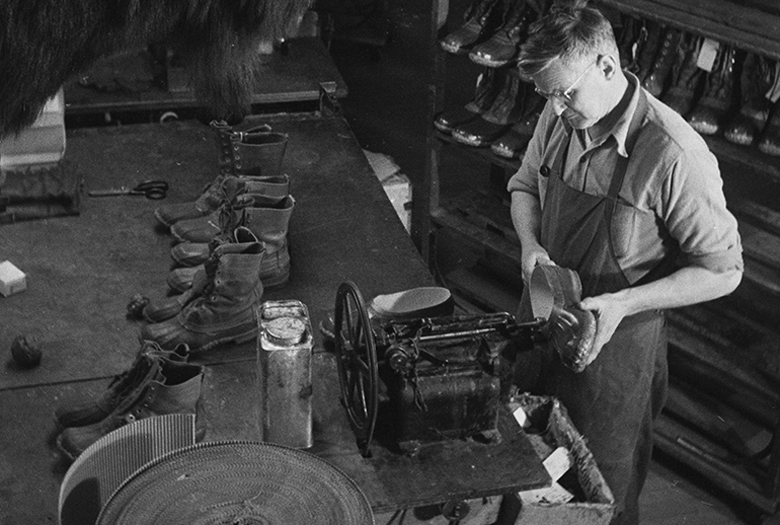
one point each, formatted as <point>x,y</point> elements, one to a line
<point>572,332</point>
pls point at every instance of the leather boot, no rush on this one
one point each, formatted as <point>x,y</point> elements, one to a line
<point>686,76</point>
<point>211,197</point>
<point>170,387</point>
<point>258,152</point>
<point>160,310</point>
<point>770,137</point>
<point>255,191</point>
<point>501,48</point>
<point>627,42</point>
<point>650,45</point>
<point>508,108</point>
<point>225,135</point>
<point>269,225</point>
<point>85,412</point>
<point>708,116</point>
<point>512,144</point>
<point>489,84</point>
<point>657,80</point>
<point>225,309</point>
<point>757,78</point>
<point>480,21</point>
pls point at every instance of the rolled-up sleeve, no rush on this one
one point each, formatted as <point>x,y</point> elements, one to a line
<point>693,207</point>
<point>526,179</point>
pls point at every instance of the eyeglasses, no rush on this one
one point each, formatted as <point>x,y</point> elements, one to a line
<point>566,94</point>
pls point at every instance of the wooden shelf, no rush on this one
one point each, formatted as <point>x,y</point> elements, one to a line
<point>486,153</point>
<point>291,76</point>
<point>751,26</point>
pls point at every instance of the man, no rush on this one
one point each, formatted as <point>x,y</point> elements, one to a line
<point>618,187</point>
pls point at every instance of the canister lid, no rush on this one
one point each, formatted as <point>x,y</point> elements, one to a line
<point>285,330</point>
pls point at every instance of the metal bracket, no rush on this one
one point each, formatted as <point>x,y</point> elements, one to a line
<point>329,104</point>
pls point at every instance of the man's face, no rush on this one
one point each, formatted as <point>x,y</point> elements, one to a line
<point>575,88</point>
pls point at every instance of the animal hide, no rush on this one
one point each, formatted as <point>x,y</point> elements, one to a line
<point>43,43</point>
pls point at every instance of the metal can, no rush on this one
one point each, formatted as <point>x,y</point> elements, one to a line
<point>284,355</point>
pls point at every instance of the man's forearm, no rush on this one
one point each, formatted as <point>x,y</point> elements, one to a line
<point>526,217</point>
<point>686,286</point>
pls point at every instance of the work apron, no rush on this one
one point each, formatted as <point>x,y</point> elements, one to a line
<point>614,401</point>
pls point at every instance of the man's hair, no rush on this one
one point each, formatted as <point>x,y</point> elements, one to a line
<point>569,30</point>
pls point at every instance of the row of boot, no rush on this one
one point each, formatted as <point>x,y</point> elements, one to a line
<point>492,30</point>
<point>502,114</point>
<point>230,245</point>
<point>736,97</point>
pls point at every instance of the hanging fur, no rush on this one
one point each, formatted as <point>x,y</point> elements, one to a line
<point>43,43</point>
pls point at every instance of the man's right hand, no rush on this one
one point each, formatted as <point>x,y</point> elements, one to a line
<point>531,258</point>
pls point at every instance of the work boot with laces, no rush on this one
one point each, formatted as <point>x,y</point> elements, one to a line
<point>686,76</point>
<point>269,224</point>
<point>756,80</point>
<point>658,78</point>
<point>224,311</point>
<point>260,191</point>
<point>501,48</point>
<point>480,21</point>
<point>712,108</point>
<point>82,412</point>
<point>169,387</point>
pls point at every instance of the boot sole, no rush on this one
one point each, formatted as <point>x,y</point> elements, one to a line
<point>236,339</point>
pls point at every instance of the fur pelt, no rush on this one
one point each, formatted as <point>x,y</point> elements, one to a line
<point>44,43</point>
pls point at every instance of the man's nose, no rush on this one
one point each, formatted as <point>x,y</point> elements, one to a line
<point>558,106</point>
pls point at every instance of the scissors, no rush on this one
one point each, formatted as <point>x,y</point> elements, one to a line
<point>151,189</point>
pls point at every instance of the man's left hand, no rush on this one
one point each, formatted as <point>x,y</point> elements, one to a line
<point>608,313</point>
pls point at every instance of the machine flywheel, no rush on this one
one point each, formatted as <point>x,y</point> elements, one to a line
<point>356,359</point>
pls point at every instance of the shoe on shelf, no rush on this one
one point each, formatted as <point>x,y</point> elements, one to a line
<point>512,144</point>
<point>658,78</point>
<point>481,20</point>
<point>489,85</point>
<point>628,34</point>
<point>501,48</point>
<point>648,47</point>
<point>770,137</point>
<point>686,76</point>
<point>756,80</point>
<point>711,110</point>
<point>508,108</point>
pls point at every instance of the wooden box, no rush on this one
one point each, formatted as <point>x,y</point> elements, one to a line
<point>549,426</point>
<point>41,143</point>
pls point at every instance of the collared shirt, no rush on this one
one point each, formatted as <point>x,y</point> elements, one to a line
<point>672,192</point>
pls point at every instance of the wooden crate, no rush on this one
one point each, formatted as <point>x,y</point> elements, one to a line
<point>550,426</point>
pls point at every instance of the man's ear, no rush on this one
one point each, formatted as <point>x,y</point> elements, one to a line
<point>608,66</point>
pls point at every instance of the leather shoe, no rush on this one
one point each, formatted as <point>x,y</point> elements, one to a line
<point>757,78</point>
<point>481,21</point>
<point>501,48</point>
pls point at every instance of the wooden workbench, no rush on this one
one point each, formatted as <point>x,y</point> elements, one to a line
<point>82,271</point>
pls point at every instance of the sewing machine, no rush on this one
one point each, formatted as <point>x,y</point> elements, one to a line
<point>414,382</point>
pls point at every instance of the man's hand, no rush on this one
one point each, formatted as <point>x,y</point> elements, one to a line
<point>533,256</point>
<point>609,312</point>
